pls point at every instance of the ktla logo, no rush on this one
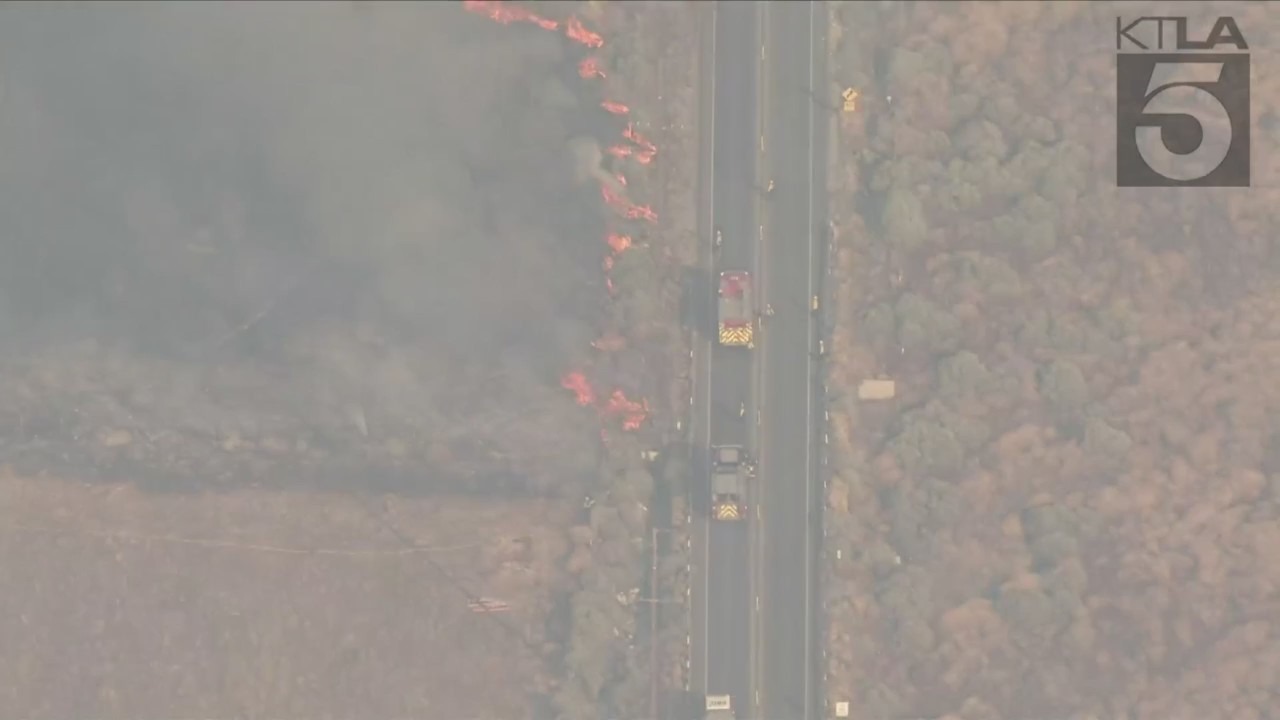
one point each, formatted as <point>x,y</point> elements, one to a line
<point>1182,118</point>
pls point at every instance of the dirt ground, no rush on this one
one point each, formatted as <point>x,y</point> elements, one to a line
<point>121,604</point>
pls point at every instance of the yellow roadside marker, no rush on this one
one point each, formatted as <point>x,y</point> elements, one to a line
<point>850,99</point>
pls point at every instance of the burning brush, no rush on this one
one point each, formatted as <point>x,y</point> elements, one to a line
<point>632,413</point>
<point>628,211</point>
<point>615,107</point>
<point>617,242</point>
<point>578,383</point>
<point>590,68</point>
<point>579,34</point>
<point>505,13</point>
<point>640,212</point>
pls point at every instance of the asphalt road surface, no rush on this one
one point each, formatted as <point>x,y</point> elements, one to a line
<point>795,223</point>
<point>723,596</point>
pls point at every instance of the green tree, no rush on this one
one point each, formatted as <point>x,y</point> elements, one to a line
<point>1050,518</point>
<point>1064,388</point>
<point>926,447</point>
<point>906,597</point>
<point>957,192</point>
<point>924,327</point>
<point>1107,446</point>
<point>962,378</point>
<point>1031,615</point>
<point>921,514</point>
<point>980,138</point>
<point>905,226</point>
<point>1049,550</point>
<point>879,327</point>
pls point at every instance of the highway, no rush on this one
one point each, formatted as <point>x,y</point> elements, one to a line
<point>795,132</point>
<point>723,592</point>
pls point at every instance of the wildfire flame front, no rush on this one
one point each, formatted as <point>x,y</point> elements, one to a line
<point>506,14</point>
<point>590,68</point>
<point>615,107</point>
<point>578,33</point>
<point>619,242</point>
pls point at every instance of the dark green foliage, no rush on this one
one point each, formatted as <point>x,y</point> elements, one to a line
<point>926,446</point>
<point>962,377</point>
<point>1064,390</point>
<point>905,225</point>
<point>923,326</point>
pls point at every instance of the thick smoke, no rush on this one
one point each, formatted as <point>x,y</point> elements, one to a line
<point>166,170</point>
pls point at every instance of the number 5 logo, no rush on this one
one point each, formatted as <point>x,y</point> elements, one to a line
<point>1171,93</point>
<point>1182,120</point>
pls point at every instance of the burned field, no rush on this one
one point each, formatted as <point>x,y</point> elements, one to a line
<point>297,302</point>
<point>326,255</point>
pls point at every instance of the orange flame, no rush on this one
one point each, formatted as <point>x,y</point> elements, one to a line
<point>629,211</point>
<point>615,108</point>
<point>501,12</point>
<point>608,285</point>
<point>646,157</point>
<point>633,413</point>
<point>577,382</point>
<point>620,151</point>
<point>631,134</point>
<point>590,68</point>
<point>610,198</point>
<point>641,212</point>
<point>577,33</point>
<point>619,242</point>
<point>622,179</point>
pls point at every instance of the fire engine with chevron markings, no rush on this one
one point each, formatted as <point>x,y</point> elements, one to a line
<point>730,470</point>
<point>737,318</point>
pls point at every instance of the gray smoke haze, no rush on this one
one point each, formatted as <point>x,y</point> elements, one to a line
<point>166,169</point>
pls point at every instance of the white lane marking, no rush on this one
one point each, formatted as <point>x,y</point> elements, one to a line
<point>808,485</point>
<point>711,218</point>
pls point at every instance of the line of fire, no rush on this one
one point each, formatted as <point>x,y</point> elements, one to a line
<point>615,409</point>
